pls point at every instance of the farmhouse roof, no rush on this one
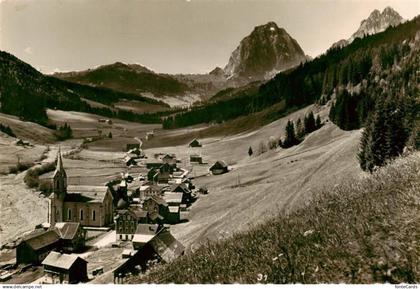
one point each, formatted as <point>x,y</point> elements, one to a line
<point>218,165</point>
<point>42,240</point>
<point>166,246</point>
<point>67,230</point>
<point>145,232</point>
<point>183,187</point>
<point>194,142</point>
<point>63,261</point>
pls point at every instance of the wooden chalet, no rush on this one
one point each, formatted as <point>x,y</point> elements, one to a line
<point>169,159</point>
<point>150,190</point>
<point>219,167</point>
<point>156,208</point>
<point>187,196</point>
<point>144,233</point>
<point>64,269</point>
<point>34,248</point>
<point>162,247</point>
<point>72,235</point>
<point>161,174</point>
<point>194,144</point>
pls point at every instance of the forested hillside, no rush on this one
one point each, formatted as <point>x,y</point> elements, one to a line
<point>27,93</point>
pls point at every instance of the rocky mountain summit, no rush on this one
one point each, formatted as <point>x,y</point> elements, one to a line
<point>266,51</point>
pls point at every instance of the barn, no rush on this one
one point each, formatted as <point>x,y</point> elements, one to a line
<point>219,167</point>
<point>194,144</point>
<point>64,269</point>
<point>33,249</point>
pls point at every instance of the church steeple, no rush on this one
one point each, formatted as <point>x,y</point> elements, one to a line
<point>60,176</point>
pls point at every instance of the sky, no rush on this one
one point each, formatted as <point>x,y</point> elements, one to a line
<point>170,36</point>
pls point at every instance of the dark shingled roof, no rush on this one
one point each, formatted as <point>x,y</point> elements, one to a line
<point>158,200</point>
<point>63,261</point>
<point>68,230</point>
<point>42,240</point>
<point>218,165</point>
<point>166,246</point>
<point>84,194</point>
<point>147,229</point>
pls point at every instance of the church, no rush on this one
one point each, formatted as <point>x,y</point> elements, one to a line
<point>91,206</point>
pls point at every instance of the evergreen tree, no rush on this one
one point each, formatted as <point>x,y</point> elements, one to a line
<point>250,152</point>
<point>300,131</point>
<point>290,139</point>
<point>309,123</point>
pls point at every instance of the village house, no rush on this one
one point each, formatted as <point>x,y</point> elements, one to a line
<point>64,269</point>
<point>174,201</point>
<point>165,247</point>
<point>194,144</point>
<point>156,208</point>
<point>150,189</point>
<point>90,206</point>
<point>161,174</point>
<point>35,247</point>
<point>72,236</point>
<point>196,159</point>
<point>219,167</point>
<point>169,159</point>
<point>184,191</point>
<point>126,222</point>
<point>144,233</point>
<point>162,247</point>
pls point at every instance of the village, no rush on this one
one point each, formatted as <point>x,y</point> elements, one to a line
<point>109,232</point>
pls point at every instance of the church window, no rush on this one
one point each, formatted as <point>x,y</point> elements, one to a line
<point>81,214</point>
<point>93,215</point>
<point>69,214</point>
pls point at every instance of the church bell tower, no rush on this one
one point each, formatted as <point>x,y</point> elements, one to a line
<point>59,186</point>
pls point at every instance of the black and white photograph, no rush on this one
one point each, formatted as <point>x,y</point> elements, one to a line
<point>209,142</point>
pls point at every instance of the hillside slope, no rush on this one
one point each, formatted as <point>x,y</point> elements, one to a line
<point>361,231</point>
<point>129,78</point>
<point>259,186</point>
<point>26,93</point>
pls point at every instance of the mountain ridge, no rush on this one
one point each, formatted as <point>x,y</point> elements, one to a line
<point>376,22</point>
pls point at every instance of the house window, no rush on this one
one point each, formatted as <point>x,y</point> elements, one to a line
<point>69,214</point>
<point>93,215</point>
<point>81,214</point>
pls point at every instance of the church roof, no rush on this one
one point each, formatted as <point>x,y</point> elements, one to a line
<point>86,194</point>
<point>59,168</point>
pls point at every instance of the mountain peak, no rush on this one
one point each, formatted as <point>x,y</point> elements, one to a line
<point>267,50</point>
<point>377,22</point>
